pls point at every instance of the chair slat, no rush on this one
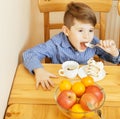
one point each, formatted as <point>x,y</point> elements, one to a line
<point>60,5</point>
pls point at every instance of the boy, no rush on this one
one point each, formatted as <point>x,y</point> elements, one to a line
<point>78,29</point>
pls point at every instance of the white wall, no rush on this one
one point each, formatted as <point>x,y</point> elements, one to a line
<point>14,32</point>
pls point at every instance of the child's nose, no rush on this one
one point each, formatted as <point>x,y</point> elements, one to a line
<point>85,35</point>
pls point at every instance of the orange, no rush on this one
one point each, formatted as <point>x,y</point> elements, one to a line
<point>77,111</point>
<point>87,81</point>
<point>90,114</point>
<point>65,85</point>
<point>78,88</point>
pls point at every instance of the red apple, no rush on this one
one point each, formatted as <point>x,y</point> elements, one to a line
<point>88,101</point>
<point>66,99</point>
<point>96,91</point>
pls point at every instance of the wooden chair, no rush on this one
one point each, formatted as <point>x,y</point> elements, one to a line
<point>119,14</point>
<point>119,7</point>
<point>47,6</point>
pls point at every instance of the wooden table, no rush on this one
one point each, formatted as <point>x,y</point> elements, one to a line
<point>27,102</point>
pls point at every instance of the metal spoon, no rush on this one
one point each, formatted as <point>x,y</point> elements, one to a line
<point>90,45</point>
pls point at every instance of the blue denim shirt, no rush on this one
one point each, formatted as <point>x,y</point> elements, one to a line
<point>59,49</point>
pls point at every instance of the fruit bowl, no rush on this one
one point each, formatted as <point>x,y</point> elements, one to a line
<point>75,112</point>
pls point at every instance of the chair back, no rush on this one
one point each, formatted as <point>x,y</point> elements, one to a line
<point>48,6</point>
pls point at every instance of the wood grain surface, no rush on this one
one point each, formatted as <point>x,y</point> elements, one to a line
<point>24,91</point>
<point>24,111</point>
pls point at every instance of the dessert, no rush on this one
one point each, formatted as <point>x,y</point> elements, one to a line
<point>94,68</point>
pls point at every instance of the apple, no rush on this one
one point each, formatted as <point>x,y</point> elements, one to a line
<point>66,99</point>
<point>96,91</point>
<point>88,101</point>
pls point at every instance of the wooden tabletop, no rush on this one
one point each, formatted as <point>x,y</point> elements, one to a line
<point>27,111</point>
<point>24,91</point>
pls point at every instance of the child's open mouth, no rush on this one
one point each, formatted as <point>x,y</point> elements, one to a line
<point>82,45</point>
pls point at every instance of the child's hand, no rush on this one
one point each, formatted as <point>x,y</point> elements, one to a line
<point>43,78</point>
<point>110,47</point>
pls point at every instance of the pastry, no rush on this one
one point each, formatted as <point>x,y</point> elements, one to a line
<point>94,68</point>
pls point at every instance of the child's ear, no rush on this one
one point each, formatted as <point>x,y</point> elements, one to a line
<point>65,30</point>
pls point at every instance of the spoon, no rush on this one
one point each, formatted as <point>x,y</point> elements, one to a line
<point>90,45</point>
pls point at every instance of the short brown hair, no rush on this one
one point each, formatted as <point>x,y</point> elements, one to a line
<point>79,11</point>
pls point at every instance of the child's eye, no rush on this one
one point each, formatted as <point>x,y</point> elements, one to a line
<point>91,30</point>
<point>80,30</point>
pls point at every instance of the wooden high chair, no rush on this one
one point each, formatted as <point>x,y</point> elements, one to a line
<point>47,6</point>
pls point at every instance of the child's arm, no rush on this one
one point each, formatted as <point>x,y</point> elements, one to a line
<point>43,78</point>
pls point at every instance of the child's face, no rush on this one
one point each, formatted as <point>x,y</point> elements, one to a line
<point>79,34</point>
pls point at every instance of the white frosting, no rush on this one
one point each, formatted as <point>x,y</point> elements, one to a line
<point>94,68</point>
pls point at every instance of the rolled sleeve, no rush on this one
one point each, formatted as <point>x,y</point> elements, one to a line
<point>108,57</point>
<point>30,61</point>
<point>117,59</point>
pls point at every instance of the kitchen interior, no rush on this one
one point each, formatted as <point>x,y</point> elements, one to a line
<point>22,27</point>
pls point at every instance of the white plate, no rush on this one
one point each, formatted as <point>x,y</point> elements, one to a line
<point>82,73</point>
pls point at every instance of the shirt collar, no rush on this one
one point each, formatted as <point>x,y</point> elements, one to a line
<point>66,42</point>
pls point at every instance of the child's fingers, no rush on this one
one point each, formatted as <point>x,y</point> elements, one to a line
<point>107,43</point>
<point>53,76</point>
<point>37,84</point>
<point>51,83</point>
<point>45,85</point>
